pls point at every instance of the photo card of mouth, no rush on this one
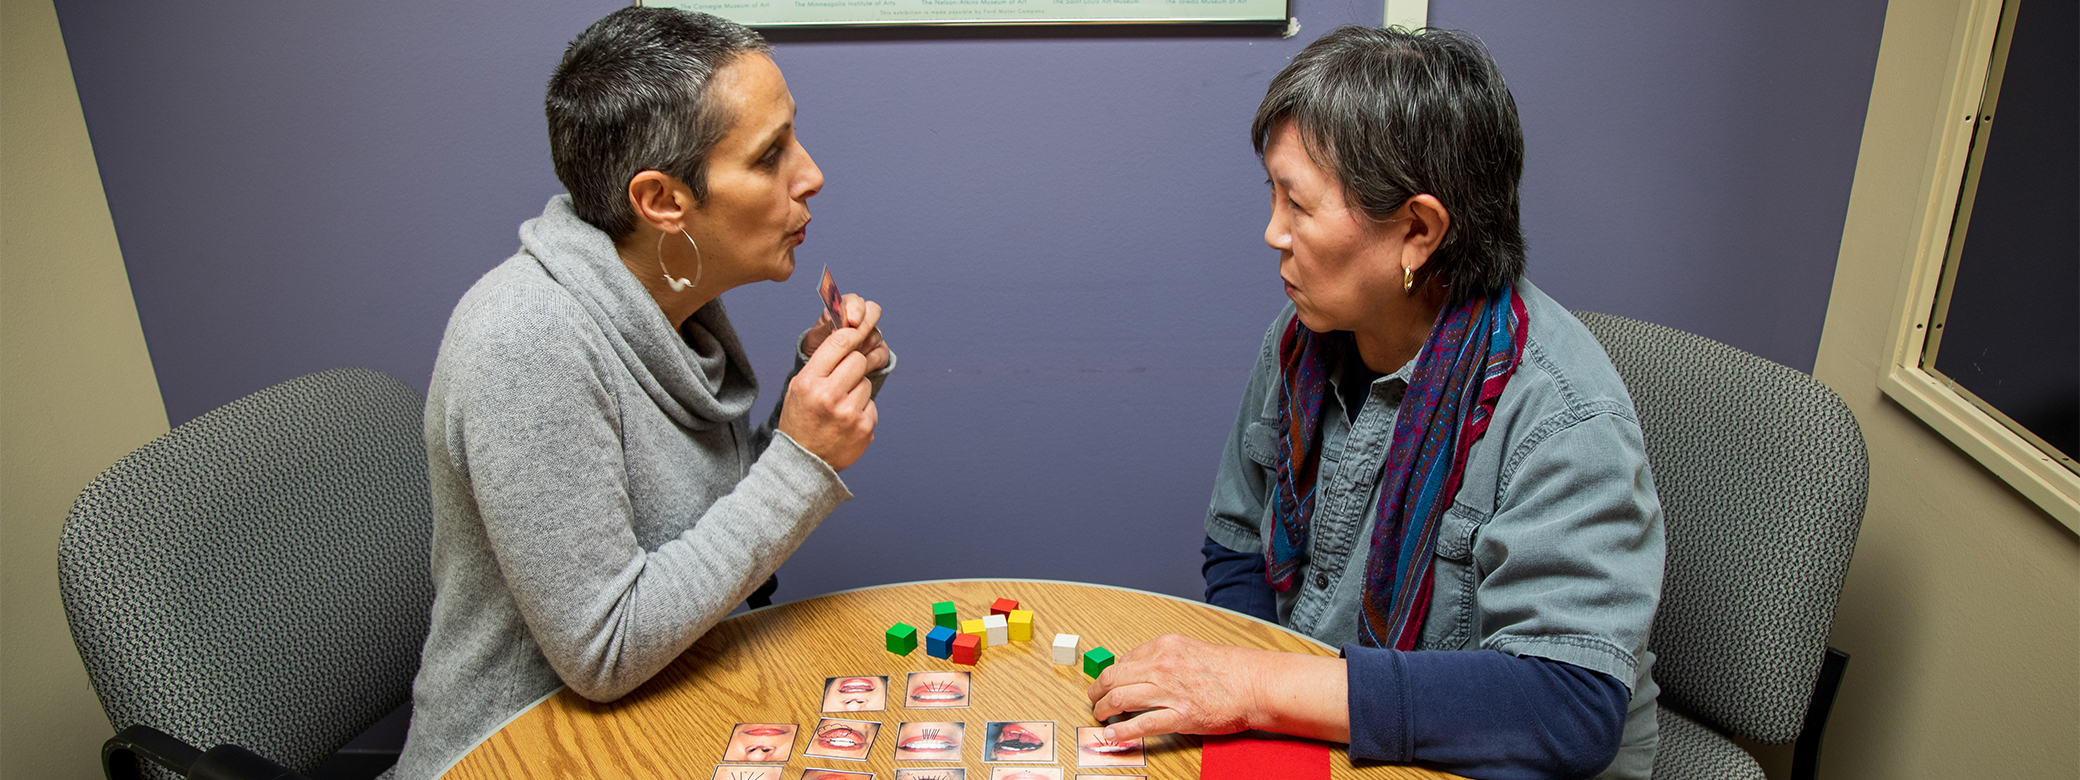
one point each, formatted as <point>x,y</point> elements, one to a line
<point>845,740</point>
<point>728,772</point>
<point>1025,773</point>
<point>835,774</point>
<point>833,303</point>
<point>930,741</point>
<point>936,690</point>
<point>951,773</point>
<point>760,743</point>
<point>855,694</point>
<point>1019,742</point>
<point>1094,750</point>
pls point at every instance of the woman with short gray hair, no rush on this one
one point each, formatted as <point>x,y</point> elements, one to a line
<point>1435,465</point>
<point>600,495</point>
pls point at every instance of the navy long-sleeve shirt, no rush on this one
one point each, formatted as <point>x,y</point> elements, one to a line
<point>1478,713</point>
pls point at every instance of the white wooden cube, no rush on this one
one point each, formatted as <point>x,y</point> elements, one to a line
<point>998,629</point>
<point>1065,649</point>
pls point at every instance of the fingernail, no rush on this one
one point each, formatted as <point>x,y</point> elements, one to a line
<point>1111,735</point>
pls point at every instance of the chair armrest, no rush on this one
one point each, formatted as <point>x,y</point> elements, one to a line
<point>223,762</point>
<point>120,754</point>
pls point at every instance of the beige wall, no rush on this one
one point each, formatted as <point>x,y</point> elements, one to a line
<point>1962,609</point>
<point>76,388</point>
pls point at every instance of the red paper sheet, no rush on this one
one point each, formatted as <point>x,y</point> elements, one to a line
<point>1254,755</point>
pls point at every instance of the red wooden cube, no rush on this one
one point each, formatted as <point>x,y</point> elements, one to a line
<point>965,648</point>
<point>1003,606</point>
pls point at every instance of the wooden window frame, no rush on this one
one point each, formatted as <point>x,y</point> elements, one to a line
<point>2023,460</point>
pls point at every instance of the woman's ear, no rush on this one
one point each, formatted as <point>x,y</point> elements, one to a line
<point>1426,222</point>
<point>659,200</point>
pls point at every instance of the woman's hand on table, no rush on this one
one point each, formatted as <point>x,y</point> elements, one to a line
<point>857,311</point>
<point>1185,686</point>
<point>829,409</point>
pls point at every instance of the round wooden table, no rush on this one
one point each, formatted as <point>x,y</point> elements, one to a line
<point>769,666</point>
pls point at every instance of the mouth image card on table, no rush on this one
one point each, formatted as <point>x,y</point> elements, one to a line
<point>855,694</point>
<point>833,303</point>
<point>727,772</point>
<point>953,773</point>
<point>835,774</point>
<point>1025,773</point>
<point>847,740</point>
<point>1019,741</point>
<point>760,742</point>
<point>936,690</point>
<point>1094,750</point>
<point>930,741</point>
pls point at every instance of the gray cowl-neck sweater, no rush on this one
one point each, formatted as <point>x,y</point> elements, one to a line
<point>600,498</point>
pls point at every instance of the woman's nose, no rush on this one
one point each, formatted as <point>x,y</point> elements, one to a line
<point>811,180</point>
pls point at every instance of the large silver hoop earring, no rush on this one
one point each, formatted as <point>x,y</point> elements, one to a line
<point>679,285</point>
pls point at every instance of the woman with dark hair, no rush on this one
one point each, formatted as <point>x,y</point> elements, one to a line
<point>1435,465</point>
<point>600,495</point>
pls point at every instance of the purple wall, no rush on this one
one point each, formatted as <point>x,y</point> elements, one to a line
<point>1065,231</point>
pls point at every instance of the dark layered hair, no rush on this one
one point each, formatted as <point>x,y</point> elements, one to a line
<point>1396,114</point>
<point>631,95</point>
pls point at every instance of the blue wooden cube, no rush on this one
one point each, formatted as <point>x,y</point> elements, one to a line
<point>939,643</point>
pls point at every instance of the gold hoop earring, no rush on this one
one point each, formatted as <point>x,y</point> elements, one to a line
<point>679,285</point>
<point>1408,281</point>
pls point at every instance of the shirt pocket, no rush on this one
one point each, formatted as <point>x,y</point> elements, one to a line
<point>1260,443</point>
<point>1450,624</point>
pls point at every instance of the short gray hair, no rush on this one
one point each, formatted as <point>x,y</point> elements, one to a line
<point>1396,114</point>
<point>630,96</point>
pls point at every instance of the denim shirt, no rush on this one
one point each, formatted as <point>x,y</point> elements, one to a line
<point>1552,546</point>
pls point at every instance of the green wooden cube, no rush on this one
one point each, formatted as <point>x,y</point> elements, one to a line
<point>902,638</point>
<point>1095,661</point>
<point>944,614</point>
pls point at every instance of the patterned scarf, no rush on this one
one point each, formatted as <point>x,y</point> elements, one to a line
<point>1472,351</point>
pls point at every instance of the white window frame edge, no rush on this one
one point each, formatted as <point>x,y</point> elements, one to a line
<point>2008,455</point>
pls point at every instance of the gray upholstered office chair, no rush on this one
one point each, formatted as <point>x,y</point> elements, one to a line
<point>255,581</point>
<point>1762,475</point>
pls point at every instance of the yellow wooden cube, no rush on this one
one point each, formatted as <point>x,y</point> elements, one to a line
<point>975,627</point>
<point>1021,625</point>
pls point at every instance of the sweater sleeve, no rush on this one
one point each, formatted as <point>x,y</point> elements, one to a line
<point>765,432</point>
<point>534,432</point>
<point>1482,713</point>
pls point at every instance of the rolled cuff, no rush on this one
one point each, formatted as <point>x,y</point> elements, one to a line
<point>1589,653</point>
<point>1380,700</point>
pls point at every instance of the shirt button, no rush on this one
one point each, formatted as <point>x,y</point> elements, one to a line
<point>1321,580</point>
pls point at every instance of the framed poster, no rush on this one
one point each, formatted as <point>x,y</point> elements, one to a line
<point>830,13</point>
